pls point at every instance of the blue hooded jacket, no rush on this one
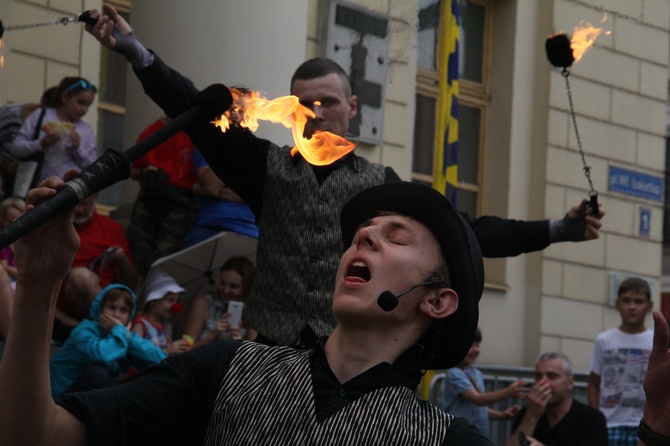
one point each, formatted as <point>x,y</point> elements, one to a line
<point>90,343</point>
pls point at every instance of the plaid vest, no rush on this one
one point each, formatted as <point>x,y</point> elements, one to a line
<point>266,398</point>
<point>300,243</point>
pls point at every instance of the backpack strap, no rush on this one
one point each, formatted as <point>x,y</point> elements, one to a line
<point>38,127</point>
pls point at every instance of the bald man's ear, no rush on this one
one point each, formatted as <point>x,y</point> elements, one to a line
<point>440,303</point>
<point>353,106</point>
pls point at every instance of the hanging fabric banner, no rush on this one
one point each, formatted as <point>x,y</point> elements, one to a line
<point>446,153</point>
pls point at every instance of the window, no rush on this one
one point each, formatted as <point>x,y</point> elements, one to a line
<point>474,35</point>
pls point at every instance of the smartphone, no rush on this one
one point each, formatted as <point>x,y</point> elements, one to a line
<point>235,313</point>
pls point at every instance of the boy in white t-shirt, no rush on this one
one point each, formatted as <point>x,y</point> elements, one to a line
<point>619,363</point>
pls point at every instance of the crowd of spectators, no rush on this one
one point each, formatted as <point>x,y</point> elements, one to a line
<point>106,333</point>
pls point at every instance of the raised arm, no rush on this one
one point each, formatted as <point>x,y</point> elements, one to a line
<point>500,237</point>
<point>656,416</point>
<point>28,415</point>
<point>517,389</point>
<point>237,156</point>
<point>579,224</point>
<point>507,414</point>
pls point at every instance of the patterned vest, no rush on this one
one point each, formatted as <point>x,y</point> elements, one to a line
<point>266,398</point>
<point>300,245</point>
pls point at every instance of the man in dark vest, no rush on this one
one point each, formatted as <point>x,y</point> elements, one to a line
<point>406,297</point>
<point>296,203</point>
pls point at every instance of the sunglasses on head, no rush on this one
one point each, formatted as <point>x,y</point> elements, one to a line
<point>85,85</point>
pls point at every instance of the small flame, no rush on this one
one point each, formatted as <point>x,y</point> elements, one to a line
<point>2,56</point>
<point>584,36</point>
<point>249,107</point>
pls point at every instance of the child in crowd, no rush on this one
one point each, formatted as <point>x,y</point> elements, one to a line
<point>162,296</point>
<point>619,363</point>
<point>101,348</point>
<point>58,132</point>
<point>465,396</point>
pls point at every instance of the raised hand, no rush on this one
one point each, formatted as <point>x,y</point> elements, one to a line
<point>222,325</point>
<point>103,29</point>
<point>656,389</point>
<point>518,389</point>
<point>108,322</point>
<point>50,139</point>
<point>75,140</point>
<point>538,398</point>
<point>510,412</point>
<point>113,32</point>
<point>178,346</point>
<point>47,251</point>
<point>593,222</point>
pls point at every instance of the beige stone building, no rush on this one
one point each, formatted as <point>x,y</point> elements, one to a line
<point>518,154</point>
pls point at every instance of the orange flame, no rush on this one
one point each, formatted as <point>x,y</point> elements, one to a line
<point>584,36</point>
<point>2,56</point>
<point>249,107</point>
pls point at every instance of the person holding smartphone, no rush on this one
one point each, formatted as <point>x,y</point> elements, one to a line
<point>208,318</point>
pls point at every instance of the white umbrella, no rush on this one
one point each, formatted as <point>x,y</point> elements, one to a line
<point>196,268</point>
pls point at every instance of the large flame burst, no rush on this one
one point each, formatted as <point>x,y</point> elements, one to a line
<point>249,107</point>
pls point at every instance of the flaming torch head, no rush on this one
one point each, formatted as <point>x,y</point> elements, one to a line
<point>562,51</point>
<point>248,107</point>
<point>559,50</point>
<point>213,100</point>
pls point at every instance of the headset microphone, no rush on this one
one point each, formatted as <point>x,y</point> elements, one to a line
<point>387,301</point>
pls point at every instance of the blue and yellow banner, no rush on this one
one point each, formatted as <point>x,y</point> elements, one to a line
<point>446,153</point>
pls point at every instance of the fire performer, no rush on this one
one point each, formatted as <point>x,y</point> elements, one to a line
<point>355,387</point>
<point>296,203</point>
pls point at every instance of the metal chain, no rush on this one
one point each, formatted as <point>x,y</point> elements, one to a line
<point>587,169</point>
<point>62,20</point>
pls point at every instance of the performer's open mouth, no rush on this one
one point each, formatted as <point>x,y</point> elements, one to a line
<point>359,269</point>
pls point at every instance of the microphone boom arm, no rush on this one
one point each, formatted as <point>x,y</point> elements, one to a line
<point>388,301</point>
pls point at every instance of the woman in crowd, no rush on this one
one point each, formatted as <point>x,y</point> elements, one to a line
<point>207,319</point>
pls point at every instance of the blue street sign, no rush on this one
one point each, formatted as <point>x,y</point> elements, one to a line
<point>645,221</point>
<point>639,184</point>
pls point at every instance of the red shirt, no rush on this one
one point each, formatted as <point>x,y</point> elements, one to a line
<point>96,235</point>
<point>175,156</point>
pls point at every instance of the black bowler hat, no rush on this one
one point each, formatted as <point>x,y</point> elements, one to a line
<point>448,341</point>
